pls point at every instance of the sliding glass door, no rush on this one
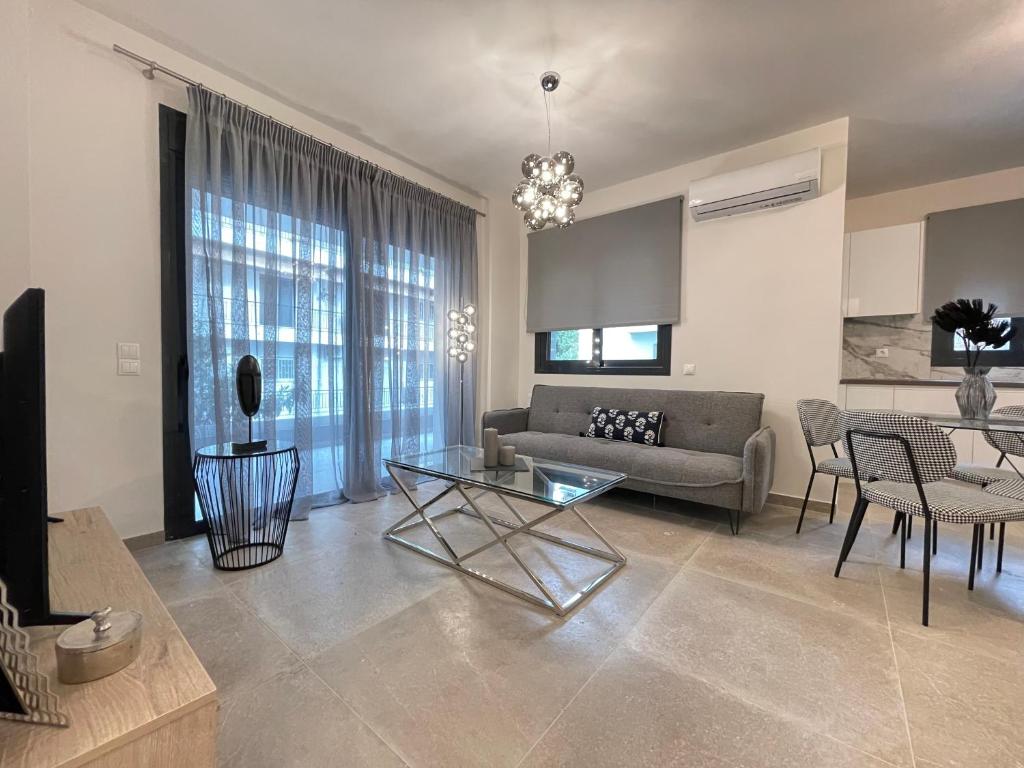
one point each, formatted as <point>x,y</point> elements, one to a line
<point>264,282</point>
<point>288,309</point>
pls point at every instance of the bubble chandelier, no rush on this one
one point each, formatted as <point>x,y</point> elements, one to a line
<point>550,190</point>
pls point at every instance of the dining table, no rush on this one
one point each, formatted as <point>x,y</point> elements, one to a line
<point>953,422</point>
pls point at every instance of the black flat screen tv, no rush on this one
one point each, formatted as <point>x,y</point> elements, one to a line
<point>23,519</point>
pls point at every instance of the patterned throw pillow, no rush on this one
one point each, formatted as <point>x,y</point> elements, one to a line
<point>628,426</point>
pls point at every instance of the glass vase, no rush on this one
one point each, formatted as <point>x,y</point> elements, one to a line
<point>975,396</point>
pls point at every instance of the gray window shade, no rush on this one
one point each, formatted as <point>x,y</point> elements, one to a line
<point>976,253</point>
<point>619,269</point>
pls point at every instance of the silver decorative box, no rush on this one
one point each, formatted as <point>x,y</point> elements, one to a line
<point>103,644</point>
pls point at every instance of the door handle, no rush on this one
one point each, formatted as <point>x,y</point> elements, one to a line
<point>182,393</point>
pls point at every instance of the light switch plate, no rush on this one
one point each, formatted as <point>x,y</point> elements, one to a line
<point>128,358</point>
<point>127,350</point>
<point>689,369</point>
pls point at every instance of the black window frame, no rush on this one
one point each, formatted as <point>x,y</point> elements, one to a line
<point>179,490</point>
<point>659,366</point>
<point>943,354</point>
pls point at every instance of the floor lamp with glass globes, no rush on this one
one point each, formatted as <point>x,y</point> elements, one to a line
<point>460,346</point>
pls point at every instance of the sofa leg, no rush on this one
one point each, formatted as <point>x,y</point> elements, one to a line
<point>734,526</point>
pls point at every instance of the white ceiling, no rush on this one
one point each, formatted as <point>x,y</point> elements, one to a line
<point>934,88</point>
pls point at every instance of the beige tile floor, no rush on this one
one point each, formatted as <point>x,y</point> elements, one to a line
<point>706,650</point>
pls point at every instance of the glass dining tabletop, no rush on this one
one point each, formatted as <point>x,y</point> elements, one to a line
<point>546,481</point>
<point>954,421</point>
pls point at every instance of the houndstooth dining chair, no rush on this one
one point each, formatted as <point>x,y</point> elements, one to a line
<point>912,460</point>
<point>1008,444</point>
<point>819,421</point>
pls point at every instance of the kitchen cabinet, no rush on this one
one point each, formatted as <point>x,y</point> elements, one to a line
<point>883,269</point>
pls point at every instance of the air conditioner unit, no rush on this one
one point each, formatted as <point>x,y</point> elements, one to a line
<point>774,184</point>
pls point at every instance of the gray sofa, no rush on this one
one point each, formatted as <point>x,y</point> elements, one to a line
<point>714,450</point>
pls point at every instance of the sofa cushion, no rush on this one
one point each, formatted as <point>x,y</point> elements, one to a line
<point>670,466</point>
<point>642,427</point>
<point>717,422</point>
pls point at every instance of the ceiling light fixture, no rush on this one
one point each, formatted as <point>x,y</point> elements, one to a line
<point>550,190</point>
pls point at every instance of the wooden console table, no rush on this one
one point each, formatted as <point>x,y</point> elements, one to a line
<point>159,712</point>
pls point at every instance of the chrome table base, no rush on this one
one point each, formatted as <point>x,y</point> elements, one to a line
<point>517,527</point>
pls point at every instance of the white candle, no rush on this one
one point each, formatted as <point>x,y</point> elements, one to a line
<point>490,447</point>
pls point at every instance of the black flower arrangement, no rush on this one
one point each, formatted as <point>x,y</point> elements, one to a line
<point>974,324</point>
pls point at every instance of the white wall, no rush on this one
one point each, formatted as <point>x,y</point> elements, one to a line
<point>761,293</point>
<point>14,128</point>
<point>95,232</point>
<point>501,300</point>
<point>908,205</point>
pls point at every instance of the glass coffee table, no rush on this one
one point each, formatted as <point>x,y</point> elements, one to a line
<point>559,487</point>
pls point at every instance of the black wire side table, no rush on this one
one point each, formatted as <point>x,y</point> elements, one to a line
<point>246,501</point>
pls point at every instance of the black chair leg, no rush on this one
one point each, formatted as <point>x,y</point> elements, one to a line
<point>927,558</point>
<point>978,533</point>
<point>991,531</point>
<point>896,522</point>
<point>851,532</point>
<point>999,549</point>
<point>981,544</point>
<point>807,496</point>
<point>903,541</point>
<point>910,526</point>
<point>832,511</point>
<point>935,537</point>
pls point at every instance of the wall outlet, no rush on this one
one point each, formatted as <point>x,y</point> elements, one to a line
<point>882,352</point>
<point>689,369</point>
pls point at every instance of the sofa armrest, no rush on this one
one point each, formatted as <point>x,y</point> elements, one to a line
<point>507,421</point>
<point>758,468</point>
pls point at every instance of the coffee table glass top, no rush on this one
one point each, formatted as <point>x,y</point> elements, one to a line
<point>550,482</point>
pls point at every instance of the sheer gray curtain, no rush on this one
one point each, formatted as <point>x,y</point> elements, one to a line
<point>337,275</point>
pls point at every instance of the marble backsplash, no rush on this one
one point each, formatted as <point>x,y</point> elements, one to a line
<point>909,341</point>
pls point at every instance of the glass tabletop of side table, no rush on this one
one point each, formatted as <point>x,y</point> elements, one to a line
<point>556,486</point>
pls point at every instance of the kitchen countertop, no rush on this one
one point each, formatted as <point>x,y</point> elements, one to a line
<point>927,383</point>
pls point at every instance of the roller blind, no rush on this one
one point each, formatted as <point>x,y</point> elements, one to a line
<point>622,268</point>
<point>976,252</point>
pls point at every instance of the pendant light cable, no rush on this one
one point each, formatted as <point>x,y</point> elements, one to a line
<point>547,114</point>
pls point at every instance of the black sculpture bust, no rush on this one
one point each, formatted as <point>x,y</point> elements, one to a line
<point>249,388</point>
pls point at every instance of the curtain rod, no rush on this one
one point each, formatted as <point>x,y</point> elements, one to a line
<point>153,67</point>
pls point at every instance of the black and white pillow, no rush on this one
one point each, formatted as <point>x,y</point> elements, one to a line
<point>629,426</point>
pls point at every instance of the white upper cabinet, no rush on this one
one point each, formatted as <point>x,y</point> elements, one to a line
<point>883,271</point>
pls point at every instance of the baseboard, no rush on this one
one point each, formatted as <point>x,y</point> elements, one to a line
<point>135,543</point>
<point>797,501</point>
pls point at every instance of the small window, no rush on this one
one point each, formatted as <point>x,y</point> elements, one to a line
<point>577,345</point>
<point>948,348</point>
<point>637,342</point>
<point>628,350</point>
